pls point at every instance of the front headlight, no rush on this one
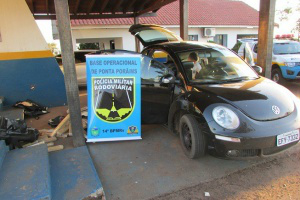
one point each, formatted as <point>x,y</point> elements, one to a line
<point>290,64</point>
<point>225,117</point>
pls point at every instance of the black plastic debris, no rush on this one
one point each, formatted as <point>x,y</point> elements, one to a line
<point>55,121</point>
<point>31,108</point>
<point>16,133</point>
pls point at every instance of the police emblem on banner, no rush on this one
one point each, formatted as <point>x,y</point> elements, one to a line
<point>132,130</point>
<point>114,98</point>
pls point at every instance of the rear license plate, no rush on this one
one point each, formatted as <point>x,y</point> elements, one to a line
<point>287,138</point>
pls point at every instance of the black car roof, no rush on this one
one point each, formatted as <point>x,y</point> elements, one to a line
<point>185,45</point>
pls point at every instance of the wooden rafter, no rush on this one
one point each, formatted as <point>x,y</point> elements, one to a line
<point>87,9</point>
<point>128,6</point>
<point>92,3</point>
<point>30,5</point>
<point>141,5</point>
<point>103,6</point>
<point>76,6</point>
<point>95,16</point>
<point>116,6</point>
<point>47,6</point>
<point>155,5</point>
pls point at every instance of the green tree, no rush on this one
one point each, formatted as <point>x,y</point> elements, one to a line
<point>83,46</point>
<point>296,30</point>
<point>53,48</point>
<point>284,13</point>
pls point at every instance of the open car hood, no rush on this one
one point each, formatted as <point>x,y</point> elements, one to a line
<point>149,34</point>
<point>256,98</point>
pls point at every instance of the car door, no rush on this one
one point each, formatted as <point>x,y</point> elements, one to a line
<point>152,34</point>
<point>241,50</point>
<point>254,50</point>
<point>248,55</point>
<point>156,96</point>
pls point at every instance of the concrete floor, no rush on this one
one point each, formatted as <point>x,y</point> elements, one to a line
<point>152,166</point>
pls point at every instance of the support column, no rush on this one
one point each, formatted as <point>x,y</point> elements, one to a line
<point>184,18</point>
<point>266,35</point>
<point>65,36</point>
<point>137,42</point>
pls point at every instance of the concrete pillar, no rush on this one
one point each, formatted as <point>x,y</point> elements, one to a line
<point>184,18</point>
<point>65,36</point>
<point>265,35</point>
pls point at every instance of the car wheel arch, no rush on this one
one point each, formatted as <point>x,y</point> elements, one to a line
<point>276,69</point>
<point>177,110</point>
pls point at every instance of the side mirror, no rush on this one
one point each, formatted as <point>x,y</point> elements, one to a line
<point>168,79</point>
<point>258,69</point>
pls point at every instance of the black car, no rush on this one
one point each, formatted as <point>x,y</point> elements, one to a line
<point>212,98</point>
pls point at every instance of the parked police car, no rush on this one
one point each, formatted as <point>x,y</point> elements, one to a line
<point>286,58</point>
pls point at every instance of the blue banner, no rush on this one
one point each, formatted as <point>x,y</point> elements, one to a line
<point>114,97</point>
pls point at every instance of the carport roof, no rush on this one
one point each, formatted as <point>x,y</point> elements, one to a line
<point>201,12</point>
<point>92,9</point>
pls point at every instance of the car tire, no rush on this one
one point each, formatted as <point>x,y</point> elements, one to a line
<point>276,76</point>
<point>193,140</point>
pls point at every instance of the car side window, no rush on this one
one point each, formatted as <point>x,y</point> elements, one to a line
<point>164,58</point>
<point>255,48</point>
<point>152,71</point>
<point>145,52</point>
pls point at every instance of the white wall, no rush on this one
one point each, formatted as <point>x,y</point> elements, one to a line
<point>233,32</point>
<point>123,39</point>
<point>18,29</point>
<point>104,42</point>
<point>128,42</point>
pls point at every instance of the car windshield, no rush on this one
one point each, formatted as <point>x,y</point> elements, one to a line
<point>286,48</point>
<point>215,65</point>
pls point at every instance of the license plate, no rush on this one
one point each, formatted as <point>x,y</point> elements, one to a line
<point>287,138</point>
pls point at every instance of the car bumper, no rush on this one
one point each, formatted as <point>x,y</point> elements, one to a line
<point>254,147</point>
<point>257,138</point>
<point>290,72</point>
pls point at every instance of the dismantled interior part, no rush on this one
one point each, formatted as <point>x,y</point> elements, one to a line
<point>31,108</point>
<point>15,132</point>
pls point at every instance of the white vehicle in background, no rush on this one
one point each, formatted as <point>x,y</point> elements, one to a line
<point>286,58</point>
<point>79,64</point>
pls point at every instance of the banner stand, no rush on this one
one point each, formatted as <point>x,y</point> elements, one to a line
<point>114,97</point>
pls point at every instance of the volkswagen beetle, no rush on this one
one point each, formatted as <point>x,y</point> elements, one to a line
<point>213,99</point>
